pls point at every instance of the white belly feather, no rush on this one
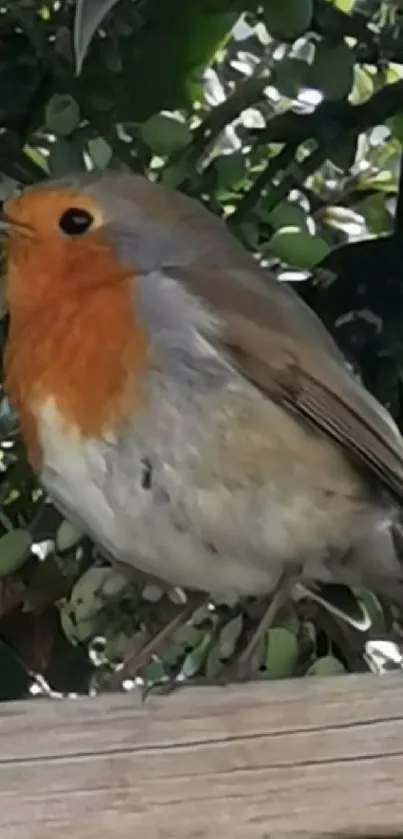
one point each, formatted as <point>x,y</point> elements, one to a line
<point>214,518</point>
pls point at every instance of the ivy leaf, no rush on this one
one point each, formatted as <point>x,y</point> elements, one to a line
<point>297,247</point>
<point>62,115</point>
<point>327,665</point>
<point>165,134</point>
<point>15,548</point>
<point>282,653</point>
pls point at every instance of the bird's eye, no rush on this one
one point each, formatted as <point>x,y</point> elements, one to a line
<point>75,221</point>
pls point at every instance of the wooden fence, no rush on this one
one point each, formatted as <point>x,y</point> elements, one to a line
<point>305,758</point>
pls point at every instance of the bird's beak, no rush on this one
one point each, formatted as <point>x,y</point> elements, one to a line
<point>12,227</point>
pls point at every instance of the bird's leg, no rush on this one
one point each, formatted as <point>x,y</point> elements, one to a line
<point>240,669</point>
<point>134,662</point>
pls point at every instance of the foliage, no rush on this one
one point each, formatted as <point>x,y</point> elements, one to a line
<point>287,119</point>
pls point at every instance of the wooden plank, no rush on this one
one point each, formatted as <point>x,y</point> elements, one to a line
<point>304,758</point>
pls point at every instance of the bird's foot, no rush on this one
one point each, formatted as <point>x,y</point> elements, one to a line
<point>241,669</point>
<point>136,661</point>
<point>233,672</point>
<point>168,686</point>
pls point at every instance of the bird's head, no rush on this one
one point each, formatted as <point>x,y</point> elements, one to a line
<point>56,245</point>
<point>74,235</point>
<point>96,270</point>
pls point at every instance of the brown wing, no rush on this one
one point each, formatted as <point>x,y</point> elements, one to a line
<point>269,333</point>
<point>283,348</point>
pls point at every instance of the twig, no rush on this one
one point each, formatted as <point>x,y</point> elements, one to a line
<point>295,174</point>
<point>328,125</point>
<point>281,162</point>
<point>244,96</point>
<point>334,118</point>
<point>328,19</point>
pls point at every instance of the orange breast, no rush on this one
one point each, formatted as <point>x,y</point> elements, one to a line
<point>87,354</point>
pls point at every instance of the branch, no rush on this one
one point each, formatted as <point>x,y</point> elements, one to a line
<point>244,96</point>
<point>328,125</point>
<point>281,162</point>
<point>295,174</point>
<point>328,20</point>
<point>334,117</point>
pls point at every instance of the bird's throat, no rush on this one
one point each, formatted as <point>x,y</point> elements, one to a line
<point>88,358</point>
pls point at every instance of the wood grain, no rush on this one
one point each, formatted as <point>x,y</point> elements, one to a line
<point>304,758</point>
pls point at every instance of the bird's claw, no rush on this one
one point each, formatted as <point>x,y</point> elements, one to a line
<point>233,673</point>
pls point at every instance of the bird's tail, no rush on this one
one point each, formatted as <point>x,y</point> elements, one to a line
<point>374,565</point>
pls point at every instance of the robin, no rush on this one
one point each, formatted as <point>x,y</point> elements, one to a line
<point>184,408</point>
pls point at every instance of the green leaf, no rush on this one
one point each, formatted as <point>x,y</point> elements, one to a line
<point>229,636</point>
<point>188,636</point>
<point>87,597</point>
<point>363,86</point>
<point>231,169</point>
<point>67,536</point>
<point>395,124</point>
<point>375,213</point>
<point>62,114</point>
<point>344,155</point>
<point>89,14</point>
<point>172,654</point>
<point>165,134</point>
<point>327,665</point>
<point>289,76</point>
<point>341,217</point>
<point>68,624</point>
<point>371,603</point>
<point>344,5</point>
<point>100,152</point>
<point>114,584</point>
<point>286,20</point>
<point>195,659</point>
<point>286,214</point>
<point>296,247</point>
<point>37,157</point>
<point>332,70</point>
<point>173,176</point>
<point>155,672</point>
<point>64,158</point>
<point>250,233</point>
<point>15,548</point>
<point>382,181</point>
<point>282,653</point>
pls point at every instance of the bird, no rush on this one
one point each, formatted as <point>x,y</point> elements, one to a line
<point>186,409</point>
